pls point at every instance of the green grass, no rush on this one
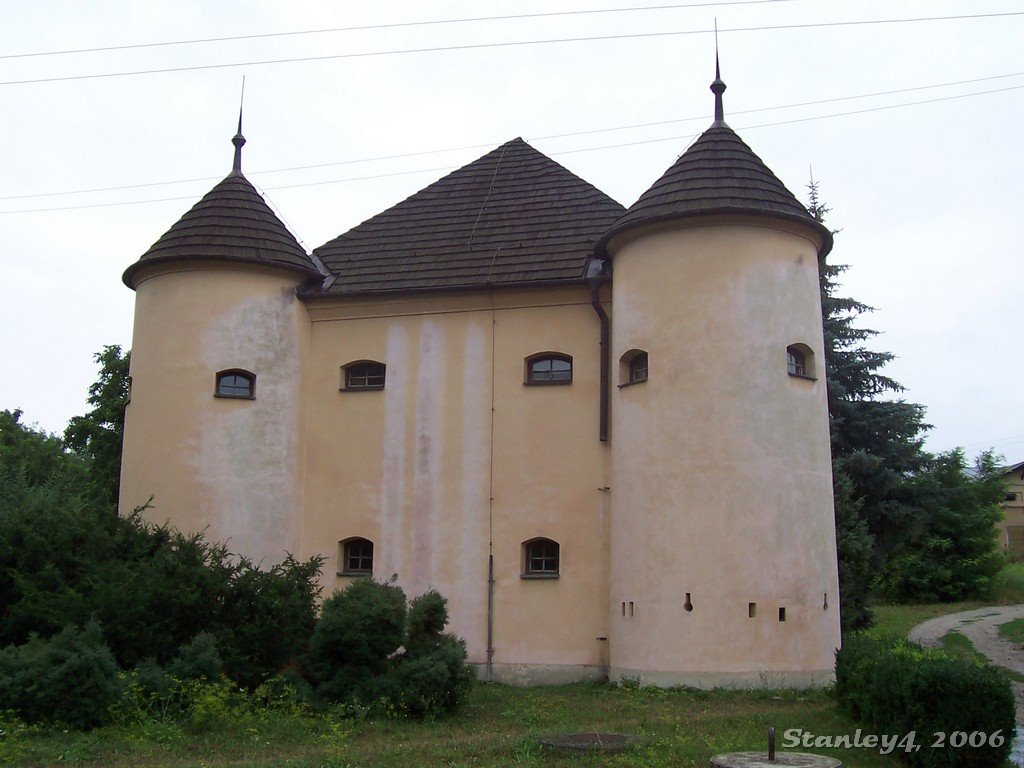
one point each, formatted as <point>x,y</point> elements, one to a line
<point>1013,630</point>
<point>1008,586</point>
<point>898,620</point>
<point>500,726</point>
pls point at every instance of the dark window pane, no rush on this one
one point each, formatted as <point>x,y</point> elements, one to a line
<point>364,376</point>
<point>234,385</point>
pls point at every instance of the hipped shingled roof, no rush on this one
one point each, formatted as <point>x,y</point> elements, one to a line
<point>231,223</point>
<point>512,217</point>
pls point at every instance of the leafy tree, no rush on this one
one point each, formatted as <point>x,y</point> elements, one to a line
<point>35,458</point>
<point>98,434</point>
<point>951,552</point>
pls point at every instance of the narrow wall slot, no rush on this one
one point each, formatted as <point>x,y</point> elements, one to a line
<point>688,605</point>
<point>782,614</point>
<point>630,607</point>
<point>824,604</point>
<point>751,610</point>
<point>623,608</point>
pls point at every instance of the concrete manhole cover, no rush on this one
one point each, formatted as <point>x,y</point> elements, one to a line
<point>589,742</point>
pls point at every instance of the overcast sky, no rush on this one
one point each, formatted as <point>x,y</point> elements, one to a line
<point>924,180</point>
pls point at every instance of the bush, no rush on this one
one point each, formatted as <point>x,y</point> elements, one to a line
<point>71,678</point>
<point>368,651</point>
<point>898,687</point>
<point>359,629</point>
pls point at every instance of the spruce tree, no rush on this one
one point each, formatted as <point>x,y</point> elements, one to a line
<point>876,442</point>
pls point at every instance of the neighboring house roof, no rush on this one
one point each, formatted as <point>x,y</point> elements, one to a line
<point>718,175</point>
<point>512,217</point>
<point>1017,468</point>
<point>231,223</point>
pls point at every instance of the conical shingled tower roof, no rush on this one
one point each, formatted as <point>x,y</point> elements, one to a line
<point>718,175</point>
<point>232,222</point>
<point>512,217</point>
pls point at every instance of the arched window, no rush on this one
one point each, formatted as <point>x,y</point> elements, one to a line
<point>236,383</point>
<point>355,557</point>
<point>362,375</point>
<point>633,368</point>
<point>540,559</point>
<point>800,361</point>
<point>548,368</point>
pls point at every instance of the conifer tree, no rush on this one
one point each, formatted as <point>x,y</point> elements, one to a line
<point>876,442</point>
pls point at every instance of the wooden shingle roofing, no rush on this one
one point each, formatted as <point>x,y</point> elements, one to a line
<point>232,222</point>
<point>718,175</point>
<point>512,217</point>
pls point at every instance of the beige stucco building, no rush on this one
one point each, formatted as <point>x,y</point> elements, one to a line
<point>601,433</point>
<point>1011,526</point>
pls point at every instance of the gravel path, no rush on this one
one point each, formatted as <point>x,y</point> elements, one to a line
<point>981,627</point>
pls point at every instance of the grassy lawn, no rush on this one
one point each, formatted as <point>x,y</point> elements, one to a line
<point>1013,630</point>
<point>500,727</point>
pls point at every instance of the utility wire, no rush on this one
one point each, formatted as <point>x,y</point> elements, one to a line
<point>534,138</point>
<point>394,25</point>
<point>563,152</point>
<point>506,44</point>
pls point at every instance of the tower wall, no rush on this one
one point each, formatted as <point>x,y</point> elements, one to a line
<point>231,467</point>
<point>721,469</point>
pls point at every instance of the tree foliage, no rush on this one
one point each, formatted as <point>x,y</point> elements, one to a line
<point>64,559</point>
<point>368,647</point>
<point>98,434</point>
<point>950,552</point>
<point>911,521</point>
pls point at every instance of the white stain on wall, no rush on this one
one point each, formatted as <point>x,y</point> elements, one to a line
<point>247,450</point>
<point>392,492</point>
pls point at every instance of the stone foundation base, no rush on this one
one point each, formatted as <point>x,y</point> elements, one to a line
<point>541,674</point>
<point>736,680</point>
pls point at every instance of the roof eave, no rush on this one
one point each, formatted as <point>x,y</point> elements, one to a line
<point>129,274</point>
<point>601,247</point>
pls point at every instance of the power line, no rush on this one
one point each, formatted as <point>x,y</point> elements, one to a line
<point>563,152</point>
<point>539,138</point>
<point>394,25</point>
<point>506,44</point>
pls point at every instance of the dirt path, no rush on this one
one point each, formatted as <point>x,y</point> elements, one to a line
<point>981,627</point>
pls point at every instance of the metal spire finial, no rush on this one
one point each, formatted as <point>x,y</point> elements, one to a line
<point>239,140</point>
<point>718,86</point>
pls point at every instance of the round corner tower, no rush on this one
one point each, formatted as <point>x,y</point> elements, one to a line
<point>214,426</point>
<point>723,552</point>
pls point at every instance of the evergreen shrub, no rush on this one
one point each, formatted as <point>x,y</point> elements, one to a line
<point>899,687</point>
<point>369,650</point>
<point>70,678</point>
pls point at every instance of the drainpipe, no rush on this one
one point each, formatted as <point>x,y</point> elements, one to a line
<point>597,275</point>
<point>490,618</point>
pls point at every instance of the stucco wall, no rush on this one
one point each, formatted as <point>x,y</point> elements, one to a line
<point>455,452</point>
<point>722,475</point>
<point>230,467</point>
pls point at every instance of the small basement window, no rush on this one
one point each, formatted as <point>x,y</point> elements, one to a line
<point>362,375</point>
<point>548,368</point>
<point>356,557</point>
<point>800,361</point>
<point>235,383</point>
<point>540,559</point>
<point>633,368</point>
